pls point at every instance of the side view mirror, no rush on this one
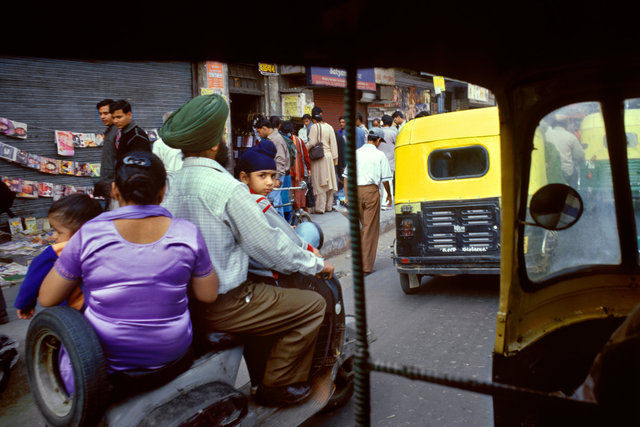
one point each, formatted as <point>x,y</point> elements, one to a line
<point>556,207</point>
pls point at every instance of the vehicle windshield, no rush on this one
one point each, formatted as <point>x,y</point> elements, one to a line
<point>570,148</point>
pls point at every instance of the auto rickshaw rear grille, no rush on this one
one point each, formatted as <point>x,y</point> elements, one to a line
<point>468,229</point>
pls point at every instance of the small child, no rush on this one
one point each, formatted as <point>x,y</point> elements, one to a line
<point>66,216</point>
<point>257,169</point>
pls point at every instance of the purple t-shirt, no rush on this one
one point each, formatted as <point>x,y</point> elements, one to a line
<point>136,294</point>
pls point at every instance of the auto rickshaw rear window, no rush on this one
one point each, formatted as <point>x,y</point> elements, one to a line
<point>456,163</point>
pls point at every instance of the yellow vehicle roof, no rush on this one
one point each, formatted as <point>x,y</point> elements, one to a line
<point>477,122</point>
<point>420,137</point>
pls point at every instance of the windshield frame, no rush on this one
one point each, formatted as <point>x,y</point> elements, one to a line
<point>613,115</point>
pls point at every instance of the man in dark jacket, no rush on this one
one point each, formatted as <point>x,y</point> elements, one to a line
<point>130,137</point>
<point>107,164</point>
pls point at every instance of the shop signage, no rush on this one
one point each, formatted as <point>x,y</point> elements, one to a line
<point>438,84</point>
<point>385,76</point>
<point>268,69</point>
<point>337,77</point>
<point>215,75</point>
<point>477,93</point>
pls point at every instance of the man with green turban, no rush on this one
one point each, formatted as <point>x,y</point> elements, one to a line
<point>234,229</point>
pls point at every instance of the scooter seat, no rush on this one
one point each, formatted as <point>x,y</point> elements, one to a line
<point>218,341</point>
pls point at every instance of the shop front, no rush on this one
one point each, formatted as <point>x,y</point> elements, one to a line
<point>45,101</point>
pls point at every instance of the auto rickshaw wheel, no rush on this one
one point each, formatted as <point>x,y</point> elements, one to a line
<point>405,284</point>
<point>48,331</point>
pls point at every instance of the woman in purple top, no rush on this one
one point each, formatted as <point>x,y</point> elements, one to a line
<point>135,264</point>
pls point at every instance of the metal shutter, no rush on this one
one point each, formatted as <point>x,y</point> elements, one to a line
<point>331,100</point>
<point>52,94</point>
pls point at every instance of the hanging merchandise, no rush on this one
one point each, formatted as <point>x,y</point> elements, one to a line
<point>13,129</point>
<point>8,152</point>
<point>64,141</point>
<point>84,140</point>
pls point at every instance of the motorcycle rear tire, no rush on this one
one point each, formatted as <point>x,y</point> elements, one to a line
<point>47,331</point>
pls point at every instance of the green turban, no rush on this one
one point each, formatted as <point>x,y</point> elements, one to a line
<point>197,125</point>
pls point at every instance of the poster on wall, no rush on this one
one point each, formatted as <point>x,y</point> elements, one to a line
<point>64,141</point>
<point>293,105</point>
<point>13,129</point>
<point>215,75</point>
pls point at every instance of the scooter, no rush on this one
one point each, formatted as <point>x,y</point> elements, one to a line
<point>193,391</point>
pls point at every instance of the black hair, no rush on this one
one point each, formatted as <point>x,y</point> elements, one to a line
<point>306,116</point>
<point>104,102</point>
<point>286,127</point>
<point>341,118</point>
<point>275,122</point>
<point>387,120</point>
<point>397,114</point>
<point>316,113</point>
<point>422,113</point>
<point>75,209</point>
<point>359,116</point>
<point>140,176</point>
<point>262,121</point>
<point>120,104</point>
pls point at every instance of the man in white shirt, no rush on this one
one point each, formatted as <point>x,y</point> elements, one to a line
<point>388,147</point>
<point>171,157</point>
<point>373,170</point>
<point>361,125</point>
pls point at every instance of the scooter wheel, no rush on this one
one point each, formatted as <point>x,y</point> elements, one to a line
<point>48,331</point>
<point>345,385</point>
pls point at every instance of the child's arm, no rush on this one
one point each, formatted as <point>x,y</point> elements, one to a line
<point>28,293</point>
<point>55,289</point>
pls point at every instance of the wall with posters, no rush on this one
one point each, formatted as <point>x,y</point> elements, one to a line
<point>49,95</point>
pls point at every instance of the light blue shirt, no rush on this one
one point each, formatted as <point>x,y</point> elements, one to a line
<point>233,226</point>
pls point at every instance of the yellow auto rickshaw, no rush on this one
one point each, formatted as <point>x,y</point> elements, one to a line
<point>447,196</point>
<point>596,174</point>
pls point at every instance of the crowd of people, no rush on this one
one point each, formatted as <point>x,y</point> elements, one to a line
<point>184,246</point>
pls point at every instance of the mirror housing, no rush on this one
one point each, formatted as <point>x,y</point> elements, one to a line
<point>556,207</point>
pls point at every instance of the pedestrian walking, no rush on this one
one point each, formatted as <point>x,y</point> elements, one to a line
<point>373,172</point>
<point>323,174</point>
<point>301,168</point>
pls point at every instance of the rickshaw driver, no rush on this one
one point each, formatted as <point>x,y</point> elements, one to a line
<point>234,229</point>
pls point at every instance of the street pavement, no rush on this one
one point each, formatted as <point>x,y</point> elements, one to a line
<point>17,407</point>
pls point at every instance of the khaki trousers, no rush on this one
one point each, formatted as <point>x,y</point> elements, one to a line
<point>324,201</point>
<point>293,316</point>
<point>369,209</point>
